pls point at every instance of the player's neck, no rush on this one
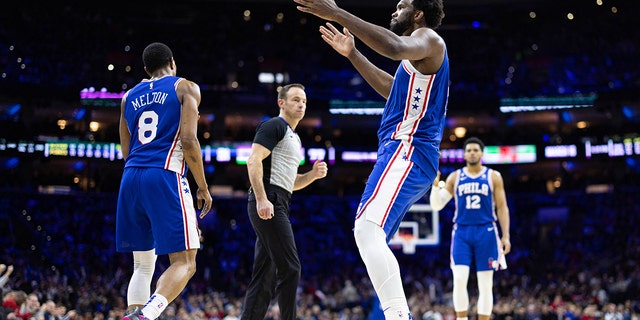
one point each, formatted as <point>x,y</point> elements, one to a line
<point>159,75</point>
<point>474,168</point>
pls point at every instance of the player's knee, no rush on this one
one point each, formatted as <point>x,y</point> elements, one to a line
<point>144,262</point>
<point>185,260</point>
<point>358,232</point>
<point>485,281</point>
<point>368,234</point>
<point>191,268</point>
<point>460,274</point>
<point>144,268</point>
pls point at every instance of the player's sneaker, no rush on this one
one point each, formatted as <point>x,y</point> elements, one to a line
<point>135,315</point>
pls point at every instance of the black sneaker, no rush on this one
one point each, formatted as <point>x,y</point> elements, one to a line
<point>135,315</point>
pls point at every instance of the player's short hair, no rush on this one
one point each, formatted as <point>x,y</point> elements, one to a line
<point>156,55</point>
<point>433,11</point>
<point>473,140</point>
<point>282,93</point>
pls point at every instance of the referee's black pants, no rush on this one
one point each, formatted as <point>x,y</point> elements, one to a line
<point>276,266</point>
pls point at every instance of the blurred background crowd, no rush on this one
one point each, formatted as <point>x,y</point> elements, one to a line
<point>576,248</point>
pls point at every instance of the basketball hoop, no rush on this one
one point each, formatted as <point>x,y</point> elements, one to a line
<point>406,236</point>
<point>409,242</point>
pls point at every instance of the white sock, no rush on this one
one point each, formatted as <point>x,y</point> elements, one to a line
<point>465,318</point>
<point>397,312</point>
<point>154,307</point>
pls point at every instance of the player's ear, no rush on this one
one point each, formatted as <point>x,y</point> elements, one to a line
<point>418,15</point>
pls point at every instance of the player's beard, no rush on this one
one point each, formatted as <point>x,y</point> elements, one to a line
<point>400,26</point>
<point>473,163</point>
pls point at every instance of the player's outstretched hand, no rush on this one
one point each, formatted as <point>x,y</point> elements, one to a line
<point>342,42</point>
<point>324,9</point>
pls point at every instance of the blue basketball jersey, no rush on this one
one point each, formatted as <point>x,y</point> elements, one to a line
<point>474,198</point>
<point>409,141</point>
<point>153,110</point>
<point>415,112</point>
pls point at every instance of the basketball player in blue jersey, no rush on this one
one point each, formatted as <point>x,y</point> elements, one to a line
<point>155,210</point>
<point>480,199</point>
<point>410,129</point>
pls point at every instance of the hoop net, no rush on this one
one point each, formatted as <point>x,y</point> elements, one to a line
<point>409,242</point>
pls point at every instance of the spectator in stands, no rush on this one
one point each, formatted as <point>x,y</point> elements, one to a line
<point>30,307</point>
<point>5,272</point>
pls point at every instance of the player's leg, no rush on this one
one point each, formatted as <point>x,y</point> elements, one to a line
<point>139,288</point>
<point>393,186</point>
<point>182,266</point>
<point>133,235</point>
<point>460,266</point>
<point>460,292</point>
<point>382,267</point>
<point>487,260</point>
<point>485,294</point>
<point>169,205</point>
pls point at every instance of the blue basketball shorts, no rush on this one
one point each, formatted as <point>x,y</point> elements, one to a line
<point>393,186</point>
<point>155,210</point>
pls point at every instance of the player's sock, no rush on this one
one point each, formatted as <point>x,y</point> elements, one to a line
<point>154,307</point>
<point>397,312</point>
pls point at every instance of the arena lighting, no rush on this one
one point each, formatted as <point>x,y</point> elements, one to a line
<point>100,98</point>
<point>528,104</point>
<point>509,109</point>
<point>91,93</point>
<point>358,111</point>
<point>524,153</point>
<point>460,132</point>
<point>359,156</point>
<point>626,147</point>
<point>268,77</point>
<point>561,151</point>
<point>94,126</point>
<point>353,107</point>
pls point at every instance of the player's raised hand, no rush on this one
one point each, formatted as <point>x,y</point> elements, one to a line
<point>324,9</point>
<point>343,42</point>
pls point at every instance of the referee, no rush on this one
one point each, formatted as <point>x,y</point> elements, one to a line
<point>273,173</point>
